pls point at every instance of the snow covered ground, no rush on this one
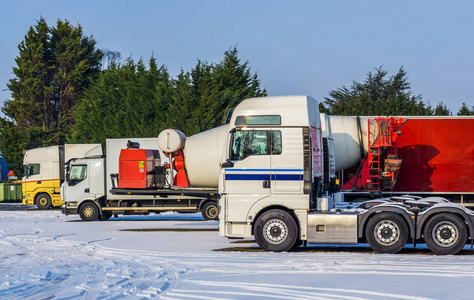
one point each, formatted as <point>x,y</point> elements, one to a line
<point>46,255</point>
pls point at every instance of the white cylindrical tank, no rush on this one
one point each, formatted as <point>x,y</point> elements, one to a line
<point>171,140</point>
<point>347,136</point>
<point>202,156</point>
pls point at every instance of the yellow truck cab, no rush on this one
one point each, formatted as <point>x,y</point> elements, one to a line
<point>42,176</point>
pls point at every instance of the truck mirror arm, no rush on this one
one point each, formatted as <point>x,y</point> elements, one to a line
<point>68,178</point>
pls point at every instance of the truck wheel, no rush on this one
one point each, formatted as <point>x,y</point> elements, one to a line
<point>210,211</point>
<point>445,234</point>
<point>89,212</point>
<point>276,230</point>
<point>387,233</point>
<point>43,201</point>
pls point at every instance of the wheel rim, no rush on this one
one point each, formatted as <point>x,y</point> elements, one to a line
<point>88,212</point>
<point>387,233</point>
<point>43,201</point>
<point>445,234</point>
<point>212,212</point>
<point>275,231</point>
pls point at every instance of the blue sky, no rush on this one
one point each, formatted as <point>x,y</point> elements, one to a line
<point>296,47</point>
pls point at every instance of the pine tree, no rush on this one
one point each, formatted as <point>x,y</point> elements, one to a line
<point>127,100</point>
<point>377,95</point>
<point>185,110</point>
<point>322,108</point>
<point>53,68</point>
<point>132,100</point>
<point>234,82</point>
<point>441,110</point>
<point>31,87</point>
<point>76,63</point>
<point>465,111</point>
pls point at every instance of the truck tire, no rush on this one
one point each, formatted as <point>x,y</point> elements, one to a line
<point>89,212</point>
<point>386,232</point>
<point>445,234</point>
<point>43,201</point>
<point>210,211</point>
<point>276,230</point>
<point>105,217</point>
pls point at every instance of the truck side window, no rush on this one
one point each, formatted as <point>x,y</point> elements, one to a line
<point>32,169</point>
<point>246,143</point>
<point>255,142</point>
<point>77,173</point>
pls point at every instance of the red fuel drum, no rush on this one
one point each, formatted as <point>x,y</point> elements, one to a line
<point>437,154</point>
<point>136,168</point>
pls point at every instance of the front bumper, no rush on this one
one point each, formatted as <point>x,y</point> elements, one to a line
<point>68,210</point>
<point>28,200</point>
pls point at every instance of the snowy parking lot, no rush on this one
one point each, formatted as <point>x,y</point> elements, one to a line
<point>47,255</point>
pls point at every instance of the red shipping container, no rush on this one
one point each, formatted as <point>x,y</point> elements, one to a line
<point>136,168</point>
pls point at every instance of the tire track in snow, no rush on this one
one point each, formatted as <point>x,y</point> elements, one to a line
<point>81,270</point>
<point>287,292</point>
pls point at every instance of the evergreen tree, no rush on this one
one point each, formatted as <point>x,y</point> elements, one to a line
<point>52,69</point>
<point>442,110</point>
<point>127,100</point>
<point>465,111</point>
<point>234,83</point>
<point>31,87</point>
<point>76,63</point>
<point>377,95</point>
<point>322,108</point>
<point>186,105</point>
<point>130,100</point>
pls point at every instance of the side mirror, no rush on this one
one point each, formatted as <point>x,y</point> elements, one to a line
<point>227,164</point>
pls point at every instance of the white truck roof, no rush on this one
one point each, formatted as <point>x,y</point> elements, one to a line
<point>294,110</point>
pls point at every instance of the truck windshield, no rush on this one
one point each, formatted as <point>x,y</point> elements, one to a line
<point>77,173</point>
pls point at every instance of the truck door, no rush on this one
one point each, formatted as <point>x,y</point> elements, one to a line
<point>77,185</point>
<point>287,161</point>
<point>32,176</point>
<point>249,179</point>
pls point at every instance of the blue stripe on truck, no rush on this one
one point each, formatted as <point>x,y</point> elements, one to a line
<point>247,176</point>
<point>281,177</point>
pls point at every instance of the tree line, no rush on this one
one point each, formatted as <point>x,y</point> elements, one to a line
<point>382,95</point>
<point>137,100</point>
<point>66,90</point>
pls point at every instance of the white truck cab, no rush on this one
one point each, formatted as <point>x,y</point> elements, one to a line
<point>273,159</point>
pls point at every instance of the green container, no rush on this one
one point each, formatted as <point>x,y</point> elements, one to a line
<point>12,192</point>
<point>2,195</point>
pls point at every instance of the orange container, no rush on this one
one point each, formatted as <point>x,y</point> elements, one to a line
<point>136,168</point>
